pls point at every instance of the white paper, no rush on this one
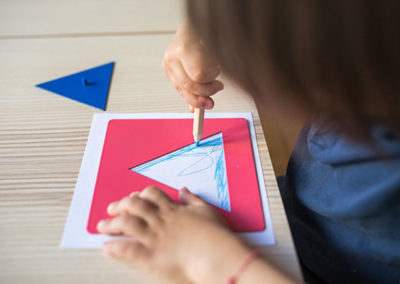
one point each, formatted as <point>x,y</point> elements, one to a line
<point>201,168</point>
<point>75,233</point>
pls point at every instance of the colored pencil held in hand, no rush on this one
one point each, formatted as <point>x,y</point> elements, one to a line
<point>198,125</point>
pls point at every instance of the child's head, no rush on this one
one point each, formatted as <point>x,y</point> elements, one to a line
<point>338,57</point>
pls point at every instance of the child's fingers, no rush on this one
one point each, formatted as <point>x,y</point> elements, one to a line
<point>199,65</point>
<point>132,204</point>
<point>136,206</point>
<point>156,195</point>
<point>196,101</point>
<point>178,77</point>
<point>201,89</point>
<point>127,251</point>
<point>204,89</point>
<point>127,225</point>
<point>188,198</point>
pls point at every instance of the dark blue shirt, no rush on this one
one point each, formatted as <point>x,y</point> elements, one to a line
<point>343,204</point>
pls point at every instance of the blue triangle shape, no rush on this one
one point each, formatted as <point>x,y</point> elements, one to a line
<point>89,86</point>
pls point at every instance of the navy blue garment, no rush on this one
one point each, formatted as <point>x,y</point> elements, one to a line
<point>343,205</point>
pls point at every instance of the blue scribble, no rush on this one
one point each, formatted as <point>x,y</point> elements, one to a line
<point>220,177</point>
<point>203,151</point>
<point>188,171</point>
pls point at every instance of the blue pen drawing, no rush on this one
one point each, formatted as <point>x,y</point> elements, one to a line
<point>200,168</point>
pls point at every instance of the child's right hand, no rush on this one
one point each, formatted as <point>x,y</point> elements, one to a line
<point>191,69</point>
<point>186,242</point>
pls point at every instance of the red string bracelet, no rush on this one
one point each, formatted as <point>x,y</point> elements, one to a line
<point>252,255</point>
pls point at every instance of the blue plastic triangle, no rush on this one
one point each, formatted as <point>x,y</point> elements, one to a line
<point>89,87</point>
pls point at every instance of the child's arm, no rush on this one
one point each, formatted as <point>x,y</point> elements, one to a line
<point>190,68</point>
<point>186,243</point>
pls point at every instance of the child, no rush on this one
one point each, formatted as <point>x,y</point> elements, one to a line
<point>333,63</point>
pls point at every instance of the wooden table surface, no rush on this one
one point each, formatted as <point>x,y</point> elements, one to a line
<point>43,135</point>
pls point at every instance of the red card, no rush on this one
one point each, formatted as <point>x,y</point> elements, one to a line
<point>132,142</point>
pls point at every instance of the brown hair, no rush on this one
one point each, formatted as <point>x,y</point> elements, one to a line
<point>339,57</point>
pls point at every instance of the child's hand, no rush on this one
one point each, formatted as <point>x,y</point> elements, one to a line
<point>191,69</point>
<point>176,242</point>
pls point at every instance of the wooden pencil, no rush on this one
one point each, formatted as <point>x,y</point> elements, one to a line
<point>198,125</point>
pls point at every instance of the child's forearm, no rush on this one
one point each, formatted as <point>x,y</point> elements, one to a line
<point>226,259</point>
<point>260,271</point>
<point>188,242</point>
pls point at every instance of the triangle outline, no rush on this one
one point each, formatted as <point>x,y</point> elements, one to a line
<point>174,150</point>
<point>224,205</point>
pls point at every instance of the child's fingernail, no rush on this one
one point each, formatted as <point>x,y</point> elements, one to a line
<point>111,208</point>
<point>184,190</point>
<point>183,195</point>
<point>100,225</point>
<point>208,106</point>
<point>134,193</point>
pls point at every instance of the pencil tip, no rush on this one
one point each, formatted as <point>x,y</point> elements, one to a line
<point>197,143</point>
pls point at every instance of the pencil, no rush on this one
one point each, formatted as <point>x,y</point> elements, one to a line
<point>198,125</point>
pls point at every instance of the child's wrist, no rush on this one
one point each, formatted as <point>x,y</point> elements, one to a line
<point>251,257</point>
<point>227,254</point>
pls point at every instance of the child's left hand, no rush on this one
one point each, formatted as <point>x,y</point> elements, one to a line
<point>171,240</point>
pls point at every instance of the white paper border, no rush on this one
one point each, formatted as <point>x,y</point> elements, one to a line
<point>75,233</point>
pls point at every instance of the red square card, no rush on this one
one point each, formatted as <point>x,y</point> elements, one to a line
<point>132,142</point>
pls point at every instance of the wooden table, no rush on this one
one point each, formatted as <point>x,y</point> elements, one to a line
<point>43,136</point>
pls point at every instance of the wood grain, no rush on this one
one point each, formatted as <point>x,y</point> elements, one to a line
<point>43,137</point>
<point>45,18</point>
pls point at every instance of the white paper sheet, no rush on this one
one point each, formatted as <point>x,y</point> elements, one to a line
<point>201,168</point>
<point>75,233</point>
